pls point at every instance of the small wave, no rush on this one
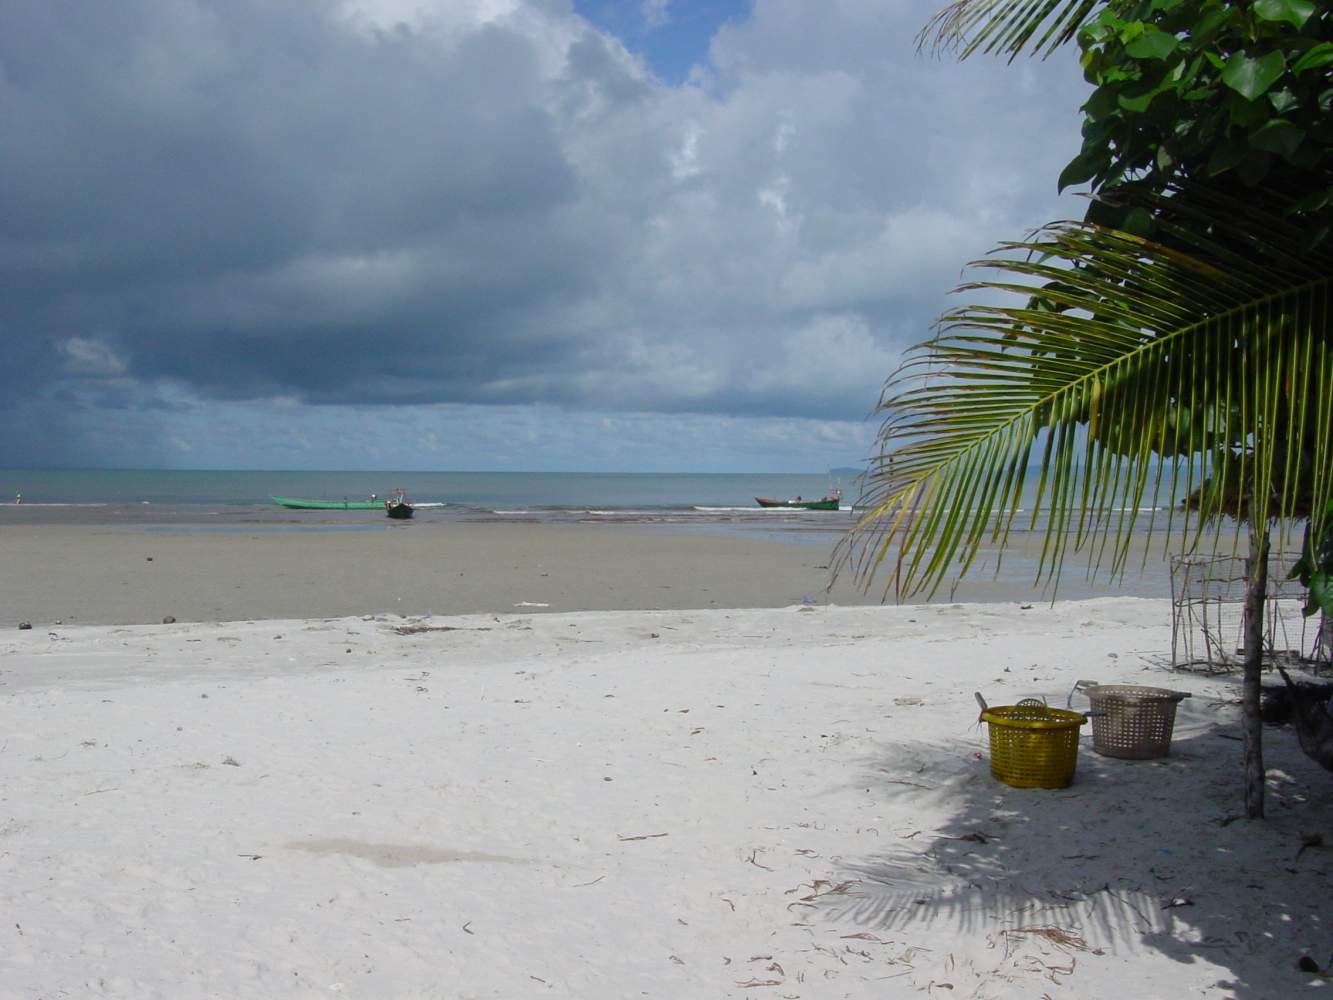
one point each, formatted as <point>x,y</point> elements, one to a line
<point>22,505</point>
<point>760,511</point>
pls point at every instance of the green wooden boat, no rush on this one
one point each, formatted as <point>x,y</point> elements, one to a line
<point>832,501</point>
<point>296,504</point>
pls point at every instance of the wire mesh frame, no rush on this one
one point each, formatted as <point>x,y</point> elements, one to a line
<point>1208,617</point>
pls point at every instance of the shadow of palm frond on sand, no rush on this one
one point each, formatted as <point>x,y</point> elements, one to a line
<point>1136,858</point>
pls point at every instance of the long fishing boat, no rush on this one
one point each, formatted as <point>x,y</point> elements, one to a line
<point>832,501</point>
<point>296,504</point>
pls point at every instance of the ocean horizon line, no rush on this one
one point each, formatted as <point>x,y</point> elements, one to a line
<point>45,469</point>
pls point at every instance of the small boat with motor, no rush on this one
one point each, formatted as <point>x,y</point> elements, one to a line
<point>831,501</point>
<point>397,507</point>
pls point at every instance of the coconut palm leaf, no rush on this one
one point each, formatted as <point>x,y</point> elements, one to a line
<point>1110,369</point>
<point>1006,26</point>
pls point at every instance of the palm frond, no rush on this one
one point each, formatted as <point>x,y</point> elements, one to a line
<point>1119,369</point>
<point>1006,27</point>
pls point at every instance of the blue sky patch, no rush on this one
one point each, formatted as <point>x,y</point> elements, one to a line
<point>670,35</point>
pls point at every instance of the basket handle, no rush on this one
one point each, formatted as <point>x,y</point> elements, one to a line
<point>1082,686</point>
<point>981,716</point>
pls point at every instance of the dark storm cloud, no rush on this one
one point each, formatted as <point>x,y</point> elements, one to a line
<point>261,154</point>
<point>489,202</point>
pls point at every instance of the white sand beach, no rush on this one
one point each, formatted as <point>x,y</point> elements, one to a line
<point>779,802</point>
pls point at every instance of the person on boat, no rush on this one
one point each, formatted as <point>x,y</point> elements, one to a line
<point>798,499</point>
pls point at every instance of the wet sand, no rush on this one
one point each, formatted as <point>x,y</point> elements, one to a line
<point>108,575</point>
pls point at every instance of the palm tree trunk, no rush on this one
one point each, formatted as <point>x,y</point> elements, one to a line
<point>1256,590</point>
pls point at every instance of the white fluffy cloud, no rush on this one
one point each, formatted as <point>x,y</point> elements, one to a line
<point>485,206</point>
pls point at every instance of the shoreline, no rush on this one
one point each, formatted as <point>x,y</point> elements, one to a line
<point>110,575</point>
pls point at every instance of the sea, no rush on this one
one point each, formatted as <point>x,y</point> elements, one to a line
<point>221,500</point>
<point>714,504</point>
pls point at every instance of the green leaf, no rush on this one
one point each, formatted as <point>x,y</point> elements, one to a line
<point>1251,77</point>
<point>1210,22</point>
<point>1107,19</point>
<point>1247,114</point>
<point>1132,30</point>
<point>1081,168</point>
<point>1152,44</point>
<point>1315,570</point>
<point>1294,12</point>
<point>1101,103</point>
<point>1321,594</point>
<point>1092,34</point>
<point>1005,28</point>
<point>1139,221</point>
<point>1320,55</point>
<point>1313,201</point>
<point>1283,100</point>
<point>1278,136</point>
<point>1138,103</point>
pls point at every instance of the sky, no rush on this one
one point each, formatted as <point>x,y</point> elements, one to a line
<point>649,235</point>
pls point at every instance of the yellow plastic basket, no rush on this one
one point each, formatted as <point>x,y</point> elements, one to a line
<point>1032,746</point>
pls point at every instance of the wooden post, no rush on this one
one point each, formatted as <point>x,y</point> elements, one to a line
<point>1256,591</point>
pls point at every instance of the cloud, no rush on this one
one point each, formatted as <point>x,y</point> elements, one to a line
<point>89,357</point>
<point>656,13</point>
<point>491,204</point>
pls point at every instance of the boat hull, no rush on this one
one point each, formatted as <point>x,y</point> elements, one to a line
<point>399,510</point>
<point>296,504</point>
<point>828,503</point>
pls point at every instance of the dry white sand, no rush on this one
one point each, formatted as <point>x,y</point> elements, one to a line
<point>772,803</point>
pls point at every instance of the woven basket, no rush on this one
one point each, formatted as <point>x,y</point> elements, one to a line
<point>1130,722</point>
<point>1032,746</point>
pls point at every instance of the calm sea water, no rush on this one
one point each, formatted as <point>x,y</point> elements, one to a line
<point>230,500</point>
<point>218,499</point>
